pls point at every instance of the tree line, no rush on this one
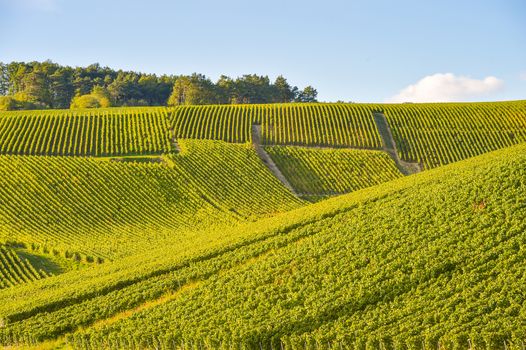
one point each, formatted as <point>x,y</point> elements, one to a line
<point>42,85</point>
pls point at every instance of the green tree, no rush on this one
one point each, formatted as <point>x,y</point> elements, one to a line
<point>193,90</point>
<point>36,88</point>
<point>124,90</point>
<point>89,101</point>
<point>226,90</point>
<point>283,92</point>
<point>252,88</point>
<point>4,79</point>
<point>98,98</point>
<point>7,103</point>
<point>62,89</point>
<point>50,85</point>
<point>309,94</point>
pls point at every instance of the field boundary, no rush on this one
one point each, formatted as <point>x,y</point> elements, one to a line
<point>389,145</point>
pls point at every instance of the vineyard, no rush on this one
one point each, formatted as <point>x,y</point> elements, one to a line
<point>92,209</point>
<point>101,132</point>
<point>438,134</point>
<point>15,270</point>
<point>192,227</point>
<point>338,125</point>
<point>400,272</point>
<point>325,172</point>
<point>431,134</point>
<point>229,172</point>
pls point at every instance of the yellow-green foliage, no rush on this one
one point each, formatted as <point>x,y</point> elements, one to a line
<point>108,209</point>
<point>315,171</point>
<point>234,176</point>
<point>336,125</point>
<point>7,103</point>
<point>298,124</point>
<point>433,134</point>
<point>441,133</point>
<point>85,132</point>
<point>426,259</point>
<point>15,270</point>
<point>89,101</point>
<point>96,208</point>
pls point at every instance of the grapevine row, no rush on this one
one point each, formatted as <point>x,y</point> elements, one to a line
<point>15,270</point>
<point>338,125</point>
<point>234,176</point>
<point>367,277</point>
<point>314,171</point>
<point>103,209</point>
<point>101,132</point>
<point>438,134</point>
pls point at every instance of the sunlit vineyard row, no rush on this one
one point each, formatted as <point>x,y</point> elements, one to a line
<point>438,134</point>
<point>339,125</point>
<point>99,132</point>
<point>386,267</point>
<point>395,272</point>
<point>15,270</point>
<point>431,134</point>
<point>233,173</point>
<point>104,209</point>
<point>323,172</point>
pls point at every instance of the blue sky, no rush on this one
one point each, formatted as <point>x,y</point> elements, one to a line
<point>362,51</point>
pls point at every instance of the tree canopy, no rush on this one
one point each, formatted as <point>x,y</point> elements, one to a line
<point>27,85</point>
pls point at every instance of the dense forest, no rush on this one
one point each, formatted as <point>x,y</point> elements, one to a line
<point>42,85</point>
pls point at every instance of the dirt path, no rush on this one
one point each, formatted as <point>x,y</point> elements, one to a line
<point>173,141</point>
<point>389,146</point>
<point>265,158</point>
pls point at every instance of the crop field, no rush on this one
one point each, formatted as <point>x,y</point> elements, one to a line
<point>325,172</point>
<point>438,134</point>
<point>15,270</point>
<point>379,280</point>
<point>234,177</point>
<point>95,209</point>
<point>279,226</point>
<point>100,132</point>
<point>338,125</point>
<point>430,134</point>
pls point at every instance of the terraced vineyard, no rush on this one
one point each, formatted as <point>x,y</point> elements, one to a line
<point>338,125</point>
<point>438,134</point>
<point>226,123</point>
<point>100,132</point>
<point>15,270</point>
<point>95,208</point>
<point>316,172</point>
<point>387,267</point>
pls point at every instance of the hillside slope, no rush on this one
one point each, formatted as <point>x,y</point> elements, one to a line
<point>431,258</point>
<point>322,172</point>
<point>436,263</point>
<point>96,209</point>
<point>16,270</point>
<point>85,132</point>
<point>435,134</point>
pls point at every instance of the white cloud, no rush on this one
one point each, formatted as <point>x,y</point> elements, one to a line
<point>447,87</point>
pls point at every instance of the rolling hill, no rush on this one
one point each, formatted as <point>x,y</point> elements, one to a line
<point>433,258</point>
<point>192,227</point>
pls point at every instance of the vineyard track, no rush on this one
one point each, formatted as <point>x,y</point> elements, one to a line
<point>389,146</point>
<point>265,158</point>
